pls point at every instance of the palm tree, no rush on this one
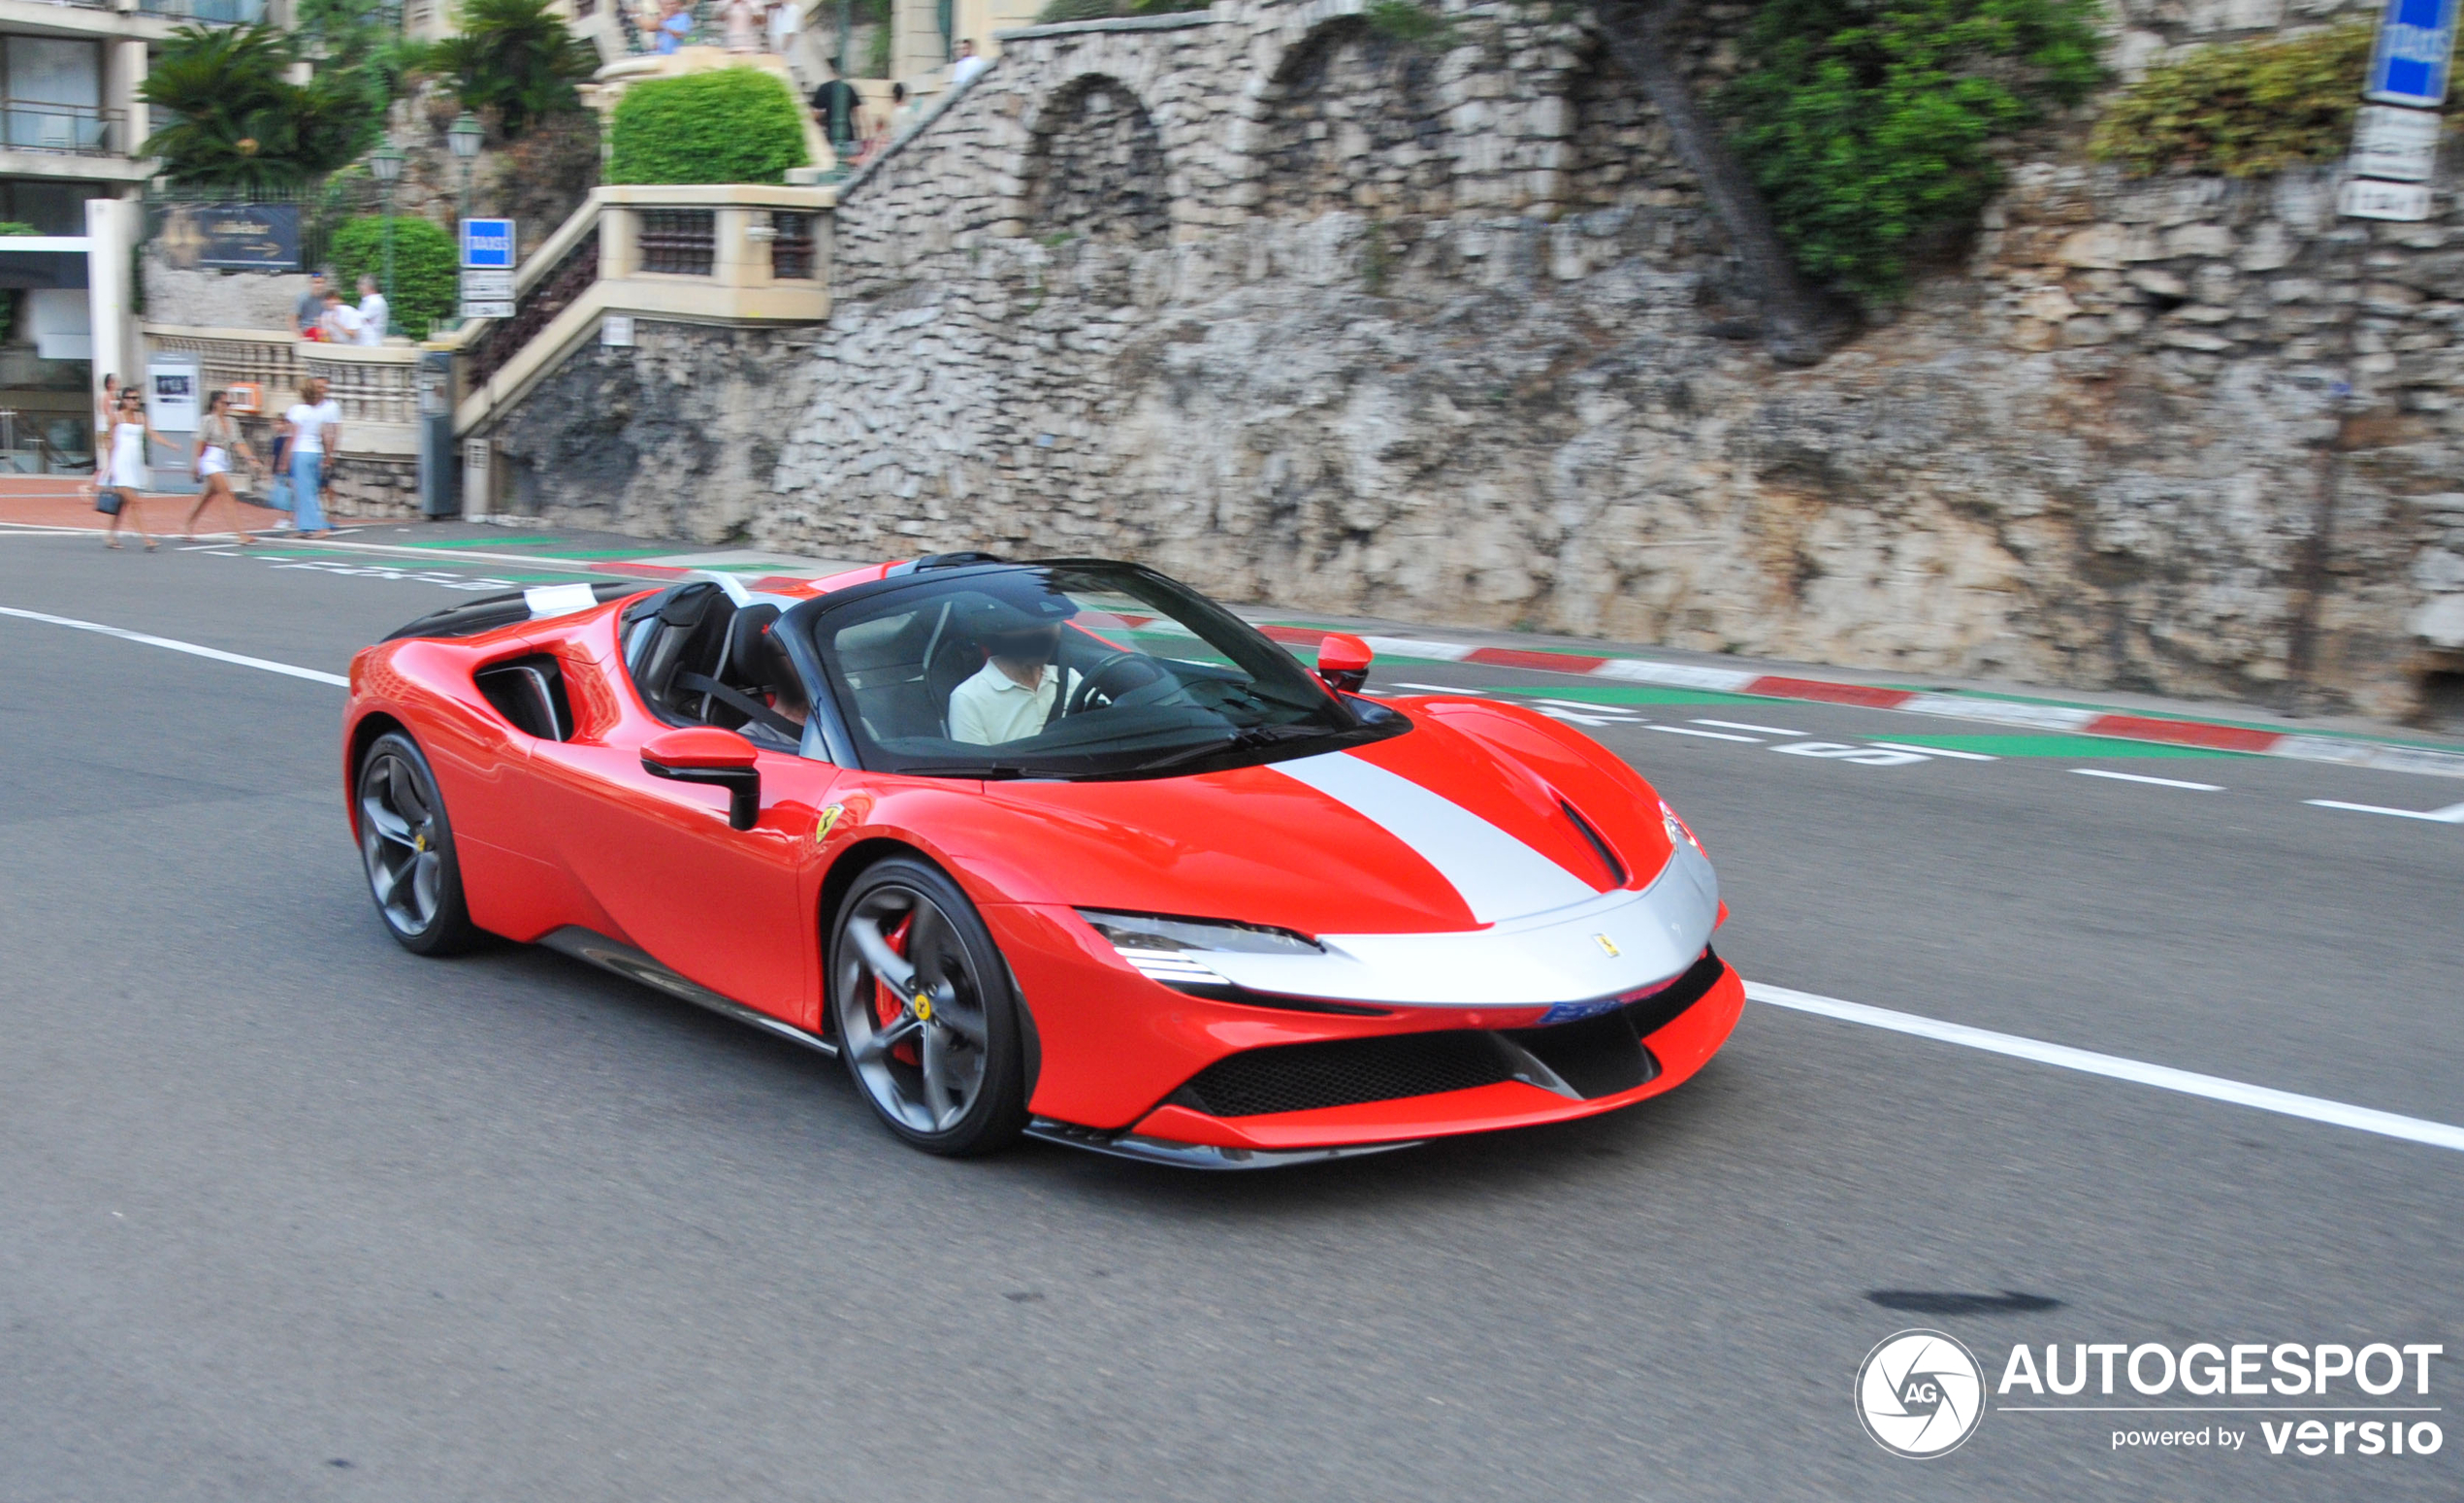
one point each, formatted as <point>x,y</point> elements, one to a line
<point>514,57</point>
<point>237,120</point>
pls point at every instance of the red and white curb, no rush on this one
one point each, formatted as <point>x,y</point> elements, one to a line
<point>2019,713</point>
<point>2384,756</point>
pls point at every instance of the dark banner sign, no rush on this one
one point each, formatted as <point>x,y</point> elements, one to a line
<point>230,237</point>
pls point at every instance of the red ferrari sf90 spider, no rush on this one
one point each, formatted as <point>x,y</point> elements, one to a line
<point>1057,848</point>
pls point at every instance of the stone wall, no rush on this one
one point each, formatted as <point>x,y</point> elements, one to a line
<point>221,299</point>
<point>675,437</point>
<point>1435,333</point>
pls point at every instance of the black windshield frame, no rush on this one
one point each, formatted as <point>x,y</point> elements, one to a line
<point>1313,717</point>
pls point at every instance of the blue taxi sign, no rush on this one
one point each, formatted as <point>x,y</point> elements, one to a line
<point>2409,66</point>
<point>487,245</point>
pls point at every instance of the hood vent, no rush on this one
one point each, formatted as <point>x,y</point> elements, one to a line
<point>1617,874</point>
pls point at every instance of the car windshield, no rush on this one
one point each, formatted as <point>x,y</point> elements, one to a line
<point>1068,671</point>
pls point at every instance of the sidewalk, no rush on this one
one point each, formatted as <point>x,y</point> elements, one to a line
<point>55,503</point>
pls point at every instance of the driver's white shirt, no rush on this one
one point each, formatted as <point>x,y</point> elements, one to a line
<point>992,708</point>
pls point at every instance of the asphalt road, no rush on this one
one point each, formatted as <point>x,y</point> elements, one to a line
<point>289,1212</point>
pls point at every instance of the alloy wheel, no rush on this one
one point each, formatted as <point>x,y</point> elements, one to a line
<point>911,1009</point>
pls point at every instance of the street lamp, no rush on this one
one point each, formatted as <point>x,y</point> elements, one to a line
<point>385,165</point>
<point>463,137</point>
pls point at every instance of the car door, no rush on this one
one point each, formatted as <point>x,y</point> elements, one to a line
<point>732,909</point>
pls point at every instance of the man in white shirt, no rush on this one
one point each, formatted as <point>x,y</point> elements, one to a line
<point>342,321</point>
<point>968,66</point>
<point>1012,697</point>
<point>374,316</point>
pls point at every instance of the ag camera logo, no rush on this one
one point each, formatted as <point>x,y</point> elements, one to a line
<point>1919,1394</point>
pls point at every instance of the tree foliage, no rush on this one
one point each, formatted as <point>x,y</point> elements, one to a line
<point>2243,109</point>
<point>1058,10</point>
<point>236,120</point>
<point>425,284</point>
<point>516,58</point>
<point>726,125</point>
<point>1867,124</point>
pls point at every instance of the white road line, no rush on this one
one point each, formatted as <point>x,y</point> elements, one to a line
<point>191,648</point>
<point>1739,725</point>
<point>1716,736</point>
<point>2160,782</point>
<point>2452,814</point>
<point>1933,751</point>
<point>2413,1130</point>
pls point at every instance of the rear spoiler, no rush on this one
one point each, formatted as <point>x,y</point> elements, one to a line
<point>538,603</point>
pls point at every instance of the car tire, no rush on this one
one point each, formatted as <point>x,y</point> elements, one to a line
<point>407,846</point>
<point>940,1058</point>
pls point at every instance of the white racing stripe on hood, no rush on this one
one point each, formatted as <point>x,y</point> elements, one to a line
<point>1498,876</point>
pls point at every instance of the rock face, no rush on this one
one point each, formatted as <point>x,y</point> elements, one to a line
<point>675,436</point>
<point>1315,314</point>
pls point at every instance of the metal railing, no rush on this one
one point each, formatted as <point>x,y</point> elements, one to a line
<point>791,244</point>
<point>75,130</point>
<point>680,242</point>
<point>213,13</point>
<point>536,308</point>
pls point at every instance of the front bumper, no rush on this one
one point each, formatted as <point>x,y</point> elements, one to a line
<point>1684,1031</point>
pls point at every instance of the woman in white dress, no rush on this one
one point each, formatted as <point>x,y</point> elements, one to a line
<point>127,473</point>
<point>218,439</point>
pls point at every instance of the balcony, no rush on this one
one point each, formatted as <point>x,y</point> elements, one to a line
<point>212,13</point>
<point>70,130</point>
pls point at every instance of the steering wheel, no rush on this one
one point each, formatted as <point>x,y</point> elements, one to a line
<point>1113,675</point>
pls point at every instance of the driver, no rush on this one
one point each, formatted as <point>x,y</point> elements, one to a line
<point>1017,691</point>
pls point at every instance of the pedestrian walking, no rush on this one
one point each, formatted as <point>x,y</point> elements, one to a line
<point>902,112</point>
<point>375,314</point>
<point>836,105</point>
<point>310,312</point>
<point>105,414</point>
<point>743,20</point>
<point>314,425</point>
<point>124,482</point>
<point>784,24</point>
<point>964,71</point>
<point>218,441</point>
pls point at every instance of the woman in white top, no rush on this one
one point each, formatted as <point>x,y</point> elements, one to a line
<point>126,475</point>
<point>314,424</point>
<point>218,440</point>
<point>105,414</point>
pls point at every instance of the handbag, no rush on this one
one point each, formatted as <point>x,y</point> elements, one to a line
<point>277,494</point>
<point>107,500</point>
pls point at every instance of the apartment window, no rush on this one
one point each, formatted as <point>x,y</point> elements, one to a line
<point>51,205</point>
<point>53,95</point>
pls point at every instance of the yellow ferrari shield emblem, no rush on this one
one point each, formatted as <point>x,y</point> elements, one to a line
<point>1605,943</point>
<point>923,1006</point>
<point>830,817</point>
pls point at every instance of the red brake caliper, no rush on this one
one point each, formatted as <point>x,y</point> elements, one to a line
<point>888,1004</point>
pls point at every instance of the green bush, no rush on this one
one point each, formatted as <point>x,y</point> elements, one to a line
<point>728,125</point>
<point>425,286</point>
<point>1867,123</point>
<point>1059,11</point>
<point>2241,109</point>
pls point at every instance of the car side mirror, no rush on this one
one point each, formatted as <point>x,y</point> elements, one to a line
<point>1342,662</point>
<point>706,754</point>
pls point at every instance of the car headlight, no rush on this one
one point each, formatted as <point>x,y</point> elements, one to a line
<point>1678,830</point>
<point>1171,951</point>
